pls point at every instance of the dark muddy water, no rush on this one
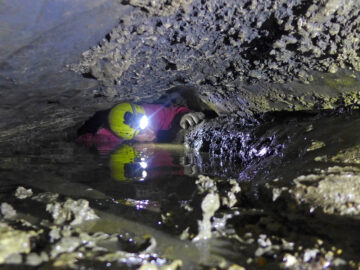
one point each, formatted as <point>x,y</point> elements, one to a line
<point>138,189</point>
<point>141,190</point>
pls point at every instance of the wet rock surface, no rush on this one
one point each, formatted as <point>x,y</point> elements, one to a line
<point>286,209</point>
<point>335,190</point>
<point>63,244</point>
<point>311,179</point>
<point>272,138</point>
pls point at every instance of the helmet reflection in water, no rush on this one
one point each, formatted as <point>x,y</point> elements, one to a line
<point>149,172</point>
<point>127,164</point>
<point>144,161</point>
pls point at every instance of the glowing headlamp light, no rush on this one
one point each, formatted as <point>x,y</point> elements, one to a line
<point>144,121</point>
<point>143,164</point>
<point>139,121</point>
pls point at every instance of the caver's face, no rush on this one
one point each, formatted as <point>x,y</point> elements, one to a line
<point>145,135</point>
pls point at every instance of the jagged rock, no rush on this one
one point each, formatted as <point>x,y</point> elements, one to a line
<point>13,241</point>
<point>23,193</point>
<point>74,211</point>
<point>7,211</point>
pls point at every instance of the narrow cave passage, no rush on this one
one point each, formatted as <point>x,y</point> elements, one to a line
<point>180,134</point>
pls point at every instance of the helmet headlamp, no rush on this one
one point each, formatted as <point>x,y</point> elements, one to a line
<point>143,122</point>
<point>136,121</point>
<point>126,120</point>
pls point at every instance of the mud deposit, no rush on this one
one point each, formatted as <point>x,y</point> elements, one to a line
<point>282,192</point>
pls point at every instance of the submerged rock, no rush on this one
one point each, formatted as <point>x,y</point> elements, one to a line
<point>257,230</point>
<point>68,260</point>
<point>315,145</point>
<point>148,266</point>
<point>14,258</point>
<point>46,197</point>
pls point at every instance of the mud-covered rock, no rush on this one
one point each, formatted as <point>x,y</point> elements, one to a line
<point>35,259</point>
<point>209,205</point>
<point>47,197</point>
<point>65,245</point>
<point>14,241</point>
<point>230,199</point>
<point>71,210</point>
<point>335,190</point>
<point>7,211</point>
<point>217,193</point>
<point>23,193</point>
<point>348,156</point>
<point>172,266</point>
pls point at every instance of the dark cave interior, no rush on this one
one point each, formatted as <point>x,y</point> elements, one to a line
<point>270,179</point>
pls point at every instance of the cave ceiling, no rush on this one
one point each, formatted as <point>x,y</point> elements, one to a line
<point>240,55</point>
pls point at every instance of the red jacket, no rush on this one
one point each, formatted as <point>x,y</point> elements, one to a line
<point>160,118</point>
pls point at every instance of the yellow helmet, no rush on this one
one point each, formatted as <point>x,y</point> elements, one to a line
<point>125,164</point>
<point>124,120</point>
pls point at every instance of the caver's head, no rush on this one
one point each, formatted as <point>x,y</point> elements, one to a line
<point>129,121</point>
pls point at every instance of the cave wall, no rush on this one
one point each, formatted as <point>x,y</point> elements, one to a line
<point>39,38</point>
<point>39,95</point>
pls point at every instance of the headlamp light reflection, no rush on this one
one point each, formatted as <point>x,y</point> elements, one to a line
<point>144,121</point>
<point>143,164</point>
